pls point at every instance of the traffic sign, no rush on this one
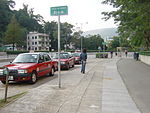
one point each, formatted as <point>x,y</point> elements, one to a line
<point>59,10</point>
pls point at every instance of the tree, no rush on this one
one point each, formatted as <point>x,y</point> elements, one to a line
<point>115,43</point>
<point>93,42</point>
<point>28,20</point>
<point>76,39</point>
<point>14,33</point>
<point>5,15</point>
<point>66,31</point>
<point>51,28</point>
<point>133,19</point>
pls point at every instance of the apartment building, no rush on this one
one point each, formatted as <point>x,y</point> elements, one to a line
<point>38,41</point>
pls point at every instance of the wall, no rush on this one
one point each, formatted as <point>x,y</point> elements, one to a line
<point>145,59</point>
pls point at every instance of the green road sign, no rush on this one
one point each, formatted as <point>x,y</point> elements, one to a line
<point>60,10</point>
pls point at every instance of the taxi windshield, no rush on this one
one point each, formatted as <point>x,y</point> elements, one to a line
<point>62,56</point>
<point>26,58</point>
<point>76,54</point>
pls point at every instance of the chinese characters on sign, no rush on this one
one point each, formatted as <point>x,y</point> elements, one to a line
<point>61,10</point>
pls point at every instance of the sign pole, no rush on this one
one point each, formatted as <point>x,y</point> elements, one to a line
<point>6,86</point>
<point>57,11</point>
<point>59,77</point>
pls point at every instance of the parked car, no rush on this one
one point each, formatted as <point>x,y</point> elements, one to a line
<point>77,57</point>
<point>30,66</point>
<point>71,58</point>
<point>65,60</point>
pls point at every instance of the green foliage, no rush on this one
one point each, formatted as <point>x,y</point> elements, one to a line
<point>14,33</point>
<point>92,42</point>
<point>133,19</point>
<point>102,55</point>
<point>65,33</point>
<point>114,43</point>
<point>146,53</point>
<point>5,13</point>
<point>24,51</point>
<point>29,20</point>
<point>16,52</point>
<point>5,16</point>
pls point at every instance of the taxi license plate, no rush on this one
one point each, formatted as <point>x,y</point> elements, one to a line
<point>10,78</point>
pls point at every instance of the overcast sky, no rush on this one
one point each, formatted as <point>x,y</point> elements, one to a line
<point>79,11</point>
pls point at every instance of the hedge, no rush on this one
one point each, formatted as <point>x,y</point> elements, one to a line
<point>18,52</point>
<point>102,55</point>
<point>146,53</point>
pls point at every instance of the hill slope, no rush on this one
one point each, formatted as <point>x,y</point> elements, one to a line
<point>105,32</point>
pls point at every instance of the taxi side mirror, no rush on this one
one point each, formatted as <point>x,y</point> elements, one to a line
<point>40,61</point>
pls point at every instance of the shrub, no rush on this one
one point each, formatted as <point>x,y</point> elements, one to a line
<point>102,55</point>
<point>146,53</point>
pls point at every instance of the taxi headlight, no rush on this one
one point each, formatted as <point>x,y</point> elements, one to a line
<point>22,71</point>
<point>1,71</point>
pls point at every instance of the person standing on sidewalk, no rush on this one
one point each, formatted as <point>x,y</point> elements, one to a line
<point>111,54</point>
<point>83,58</point>
<point>126,53</point>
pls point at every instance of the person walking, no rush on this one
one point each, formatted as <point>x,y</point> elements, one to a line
<point>126,53</point>
<point>111,54</point>
<point>83,58</point>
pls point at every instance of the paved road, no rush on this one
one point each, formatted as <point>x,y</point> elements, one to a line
<point>136,76</point>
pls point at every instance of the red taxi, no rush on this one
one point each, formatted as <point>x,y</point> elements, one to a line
<point>66,61</point>
<point>77,57</point>
<point>29,66</point>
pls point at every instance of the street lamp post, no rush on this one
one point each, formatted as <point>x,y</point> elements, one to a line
<point>80,28</point>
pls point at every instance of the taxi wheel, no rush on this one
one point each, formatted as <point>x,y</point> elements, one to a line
<point>4,82</point>
<point>73,65</point>
<point>33,78</point>
<point>52,72</point>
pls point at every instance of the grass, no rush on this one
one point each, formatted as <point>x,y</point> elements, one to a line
<point>11,99</point>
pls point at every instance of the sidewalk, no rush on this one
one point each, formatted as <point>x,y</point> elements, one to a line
<point>100,90</point>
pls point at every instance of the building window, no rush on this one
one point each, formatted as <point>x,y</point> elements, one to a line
<point>35,48</point>
<point>35,43</point>
<point>28,37</point>
<point>32,43</point>
<point>39,42</point>
<point>35,37</point>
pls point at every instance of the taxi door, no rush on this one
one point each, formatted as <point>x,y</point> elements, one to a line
<point>42,66</point>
